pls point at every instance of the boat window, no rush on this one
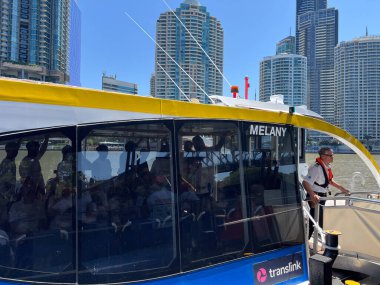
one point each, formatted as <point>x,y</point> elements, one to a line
<point>37,219</point>
<point>210,194</point>
<point>300,139</point>
<point>126,203</point>
<point>271,183</point>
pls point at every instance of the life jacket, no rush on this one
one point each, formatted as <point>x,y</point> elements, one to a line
<point>327,173</point>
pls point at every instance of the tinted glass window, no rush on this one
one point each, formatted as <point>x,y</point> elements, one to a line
<point>210,194</point>
<point>126,205</point>
<point>36,207</point>
<point>271,183</point>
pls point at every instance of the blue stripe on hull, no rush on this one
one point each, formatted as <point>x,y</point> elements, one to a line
<point>234,272</point>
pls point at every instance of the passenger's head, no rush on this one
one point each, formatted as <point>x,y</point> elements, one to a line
<point>198,143</point>
<point>187,146</point>
<point>33,148</point>
<point>102,149</point>
<point>67,152</point>
<point>12,149</point>
<point>164,146</point>
<point>130,146</point>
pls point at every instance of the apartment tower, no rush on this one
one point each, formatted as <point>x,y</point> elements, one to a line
<point>357,81</point>
<point>180,48</point>
<point>34,40</point>
<point>284,74</point>
<point>317,36</point>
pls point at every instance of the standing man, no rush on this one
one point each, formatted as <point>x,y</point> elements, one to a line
<point>317,182</point>
<point>30,165</point>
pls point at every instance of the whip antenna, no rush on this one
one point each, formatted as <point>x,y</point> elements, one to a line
<point>168,55</point>
<point>167,74</point>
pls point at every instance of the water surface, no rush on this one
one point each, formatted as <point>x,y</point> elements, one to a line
<point>344,169</point>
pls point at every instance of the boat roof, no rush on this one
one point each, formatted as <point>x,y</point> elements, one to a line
<point>273,106</point>
<point>27,105</point>
<point>33,105</point>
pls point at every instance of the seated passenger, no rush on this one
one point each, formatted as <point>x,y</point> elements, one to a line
<point>101,167</point>
<point>161,199</point>
<point>60,210</point>
<point>84,199</point>
<point>30,165</point>
<point>27,215</point>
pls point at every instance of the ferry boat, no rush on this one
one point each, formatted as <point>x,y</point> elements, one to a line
<point>199,194</point>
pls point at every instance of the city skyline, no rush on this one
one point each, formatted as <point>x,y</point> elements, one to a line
<point>118,41</point>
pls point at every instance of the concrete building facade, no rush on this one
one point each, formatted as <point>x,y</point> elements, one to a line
<point>183,49</point>
<point>317,36</point>
<point>284,74</point>
<point>357,86</point>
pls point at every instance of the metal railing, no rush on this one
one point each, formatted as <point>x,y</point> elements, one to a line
<point>371,197</point>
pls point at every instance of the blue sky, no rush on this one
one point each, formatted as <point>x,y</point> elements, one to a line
<point>113,44</point>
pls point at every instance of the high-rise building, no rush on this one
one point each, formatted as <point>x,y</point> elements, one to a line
<point>286,45</point>
<point>35,39</point>
<point>179,44</point>
<point>110,83</point>
<point>357,83</point>
<point>75,43</point>
<point>317,35</point>
<point>285,74</point>
<point>153,85</point>
<point>304,6</point>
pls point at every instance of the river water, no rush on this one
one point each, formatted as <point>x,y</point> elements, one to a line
<point>350,171</point>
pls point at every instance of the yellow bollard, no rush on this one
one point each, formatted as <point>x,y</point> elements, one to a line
<point>351,282</point>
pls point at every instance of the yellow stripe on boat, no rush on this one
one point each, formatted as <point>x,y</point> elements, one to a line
<point>44,93</point>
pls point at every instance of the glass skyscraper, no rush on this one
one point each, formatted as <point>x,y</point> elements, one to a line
<point>75,43</point>
<point>287,45</point>
<point>179,44</point>
<point>317,35</point>
<point>35,39</point>
<point>357,81</point>
<point>304,6</point>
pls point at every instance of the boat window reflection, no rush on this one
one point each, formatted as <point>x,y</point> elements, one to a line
<point>210,194</point>
<point>271,179</point>
<point>126,203</point>
<point>37,192</point>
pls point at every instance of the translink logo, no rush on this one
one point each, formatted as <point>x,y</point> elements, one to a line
<point>280,269</point>
<point>285,269</point>
<point>262,275</point>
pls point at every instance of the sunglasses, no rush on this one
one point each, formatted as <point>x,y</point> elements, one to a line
<point>330,155</point>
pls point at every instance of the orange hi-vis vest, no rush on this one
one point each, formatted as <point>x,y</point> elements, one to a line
<point>326,172</point>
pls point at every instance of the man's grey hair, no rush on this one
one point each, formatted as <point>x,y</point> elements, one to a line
<point>323,150</point>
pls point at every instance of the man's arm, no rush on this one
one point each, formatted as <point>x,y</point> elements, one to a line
<point>313,196</point>
<point>340,187</point>
<point>43,147</point>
